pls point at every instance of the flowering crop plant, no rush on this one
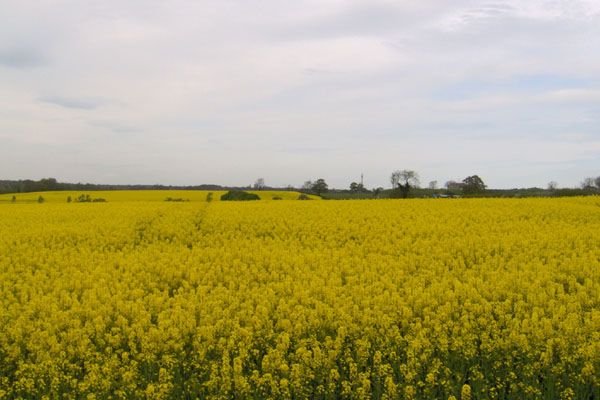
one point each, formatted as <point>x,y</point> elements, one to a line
<point>382,299</point>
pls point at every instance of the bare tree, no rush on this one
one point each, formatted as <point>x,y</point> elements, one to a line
<point>597,182</point>
<point>307,185</point>
<point>259,184</point>
<point>552,185</point>
<point>588,183</point>
<point>404,180</point>
<point>433,185</point>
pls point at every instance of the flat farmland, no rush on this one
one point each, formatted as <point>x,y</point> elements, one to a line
<point>141,195</point>
<point>383,299</point>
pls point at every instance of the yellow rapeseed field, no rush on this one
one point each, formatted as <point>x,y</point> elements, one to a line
<point>141,195</point>
<point>383,299</point>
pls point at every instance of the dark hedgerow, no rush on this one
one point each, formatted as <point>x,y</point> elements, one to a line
<point>239,195</point>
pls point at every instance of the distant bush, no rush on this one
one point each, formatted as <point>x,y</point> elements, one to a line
<point>277,198</point>
<point>69,199</point>
<point>177,199</point>
<point>85,198</point>
<point>40,199</point>
<point>239,195</point>
<point>209,197</point>
<point>304,197</point>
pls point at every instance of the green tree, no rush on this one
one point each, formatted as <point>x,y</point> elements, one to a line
<point>473,184</point>
<point>357,187</point>
<point>48,184</point>
<point>320,186</point>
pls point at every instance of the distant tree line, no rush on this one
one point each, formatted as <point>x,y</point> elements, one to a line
<point>51,184</point>
<point>405,183</point>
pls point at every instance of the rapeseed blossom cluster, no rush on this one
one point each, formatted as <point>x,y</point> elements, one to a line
<point>387,299</point>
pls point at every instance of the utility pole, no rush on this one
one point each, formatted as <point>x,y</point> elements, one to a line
<point>361,180</point>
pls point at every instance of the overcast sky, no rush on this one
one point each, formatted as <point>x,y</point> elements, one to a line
<point>225,91</point>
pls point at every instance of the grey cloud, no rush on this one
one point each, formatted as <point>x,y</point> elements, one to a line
<point>75,103</point>
<point>22,58</point>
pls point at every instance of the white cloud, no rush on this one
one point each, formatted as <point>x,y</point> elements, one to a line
<point>169,91</point>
